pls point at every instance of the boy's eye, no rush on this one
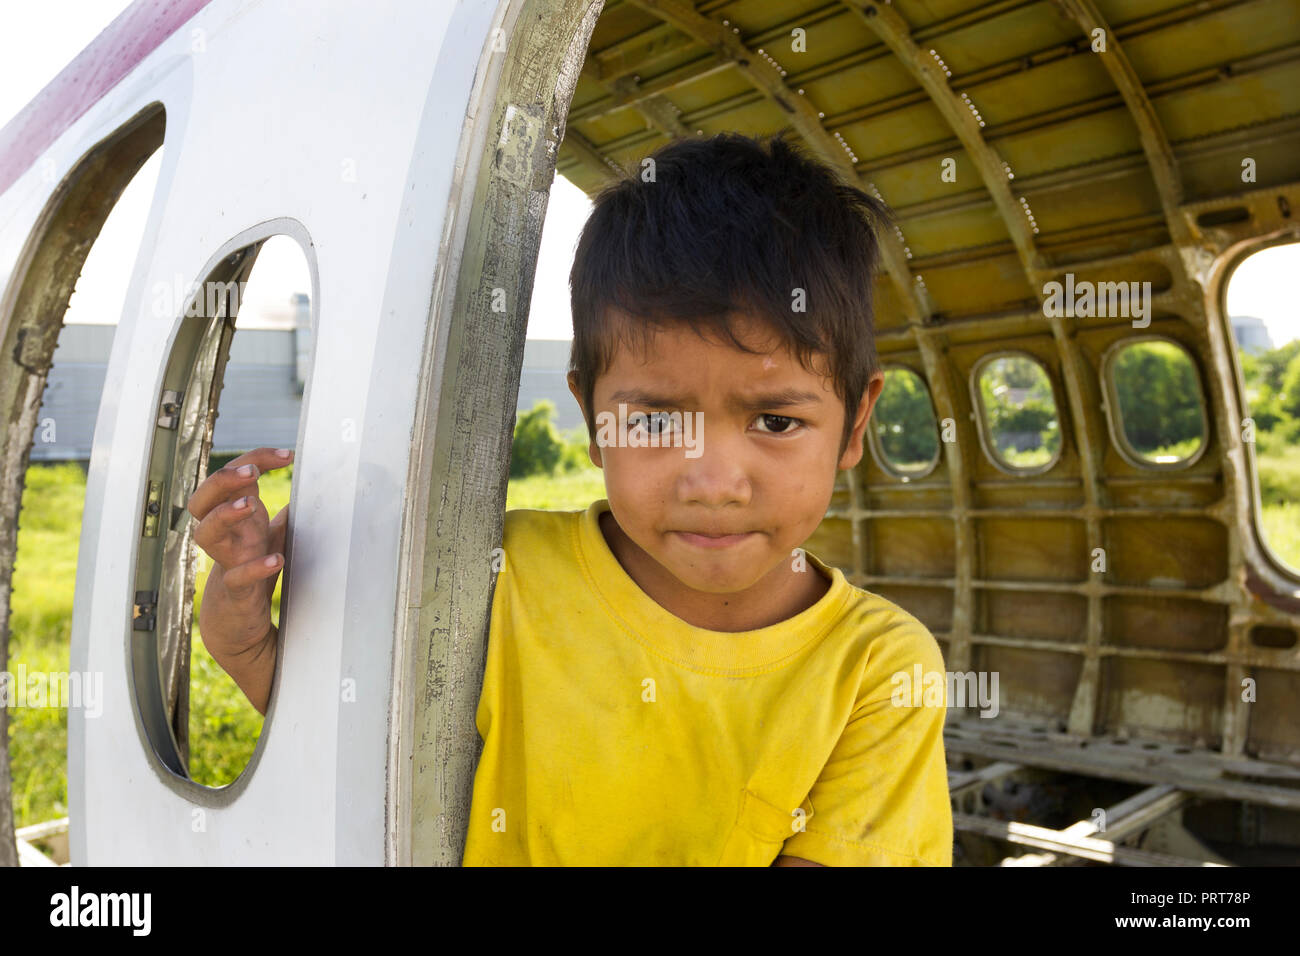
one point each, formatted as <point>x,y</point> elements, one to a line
<point>779,423</point>
<point>656,423</point>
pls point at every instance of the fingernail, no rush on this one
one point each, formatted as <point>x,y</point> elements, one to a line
<point>272,561</point>
<point>242,503</point>
<point>283,452</point>
<point>246,471</point>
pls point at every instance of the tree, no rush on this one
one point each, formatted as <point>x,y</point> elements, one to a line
<point>1288,396</point>
<point>1159,395</point>
<point>904,421</point>
<point>537,446</point>
<point>1025,425</point>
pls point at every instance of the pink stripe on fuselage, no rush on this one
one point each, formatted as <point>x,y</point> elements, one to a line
<point>136,33</point>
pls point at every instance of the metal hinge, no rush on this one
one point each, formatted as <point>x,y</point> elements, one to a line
<point>144,611</point>
<point>152,508</point>
<point>169,412</point>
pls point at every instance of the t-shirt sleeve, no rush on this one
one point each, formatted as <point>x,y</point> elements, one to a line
<point>882,797</point>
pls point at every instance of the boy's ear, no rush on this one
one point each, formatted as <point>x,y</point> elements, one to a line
<point>593,451</point>
<point>853,451</point>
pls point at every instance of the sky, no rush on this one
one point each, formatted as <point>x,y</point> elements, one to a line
<point>40,38</point>
<point>1264,286</point>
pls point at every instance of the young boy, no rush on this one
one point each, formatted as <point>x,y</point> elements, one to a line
<point>671,679</point>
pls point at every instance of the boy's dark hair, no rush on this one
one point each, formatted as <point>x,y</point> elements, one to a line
<point>731,223</point>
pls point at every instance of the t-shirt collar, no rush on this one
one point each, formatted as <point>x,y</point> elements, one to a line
<point>734,652</point>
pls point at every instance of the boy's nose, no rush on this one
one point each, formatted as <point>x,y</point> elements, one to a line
<point>718,476</point>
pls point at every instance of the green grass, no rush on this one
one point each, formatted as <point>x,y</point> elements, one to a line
<point>1177,451</point>
<point>1281,527</point>
<point>568,492</point>
<point>1279,474</point>
<point>40,627</point>
<point>1032,458</point>
<point>1278,466</point>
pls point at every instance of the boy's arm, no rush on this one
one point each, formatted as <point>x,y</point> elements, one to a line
<point>246,546</point>
<point>252,669</point>
<point>784,860</point>
<point>882,798</point>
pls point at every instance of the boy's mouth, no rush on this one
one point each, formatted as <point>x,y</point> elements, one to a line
<point>704,540</point>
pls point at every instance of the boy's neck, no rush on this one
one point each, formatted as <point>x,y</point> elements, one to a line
<point>776,597</point>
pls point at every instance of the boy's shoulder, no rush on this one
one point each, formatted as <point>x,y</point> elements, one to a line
<point>891,638</point>
<point>522,520</point>
<point>528,522</point>
<point>531,533</point>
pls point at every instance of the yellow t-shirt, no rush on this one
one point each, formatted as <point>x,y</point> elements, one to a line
<point>617,734</point>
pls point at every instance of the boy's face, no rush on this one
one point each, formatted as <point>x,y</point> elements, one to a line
<point>761,470</point>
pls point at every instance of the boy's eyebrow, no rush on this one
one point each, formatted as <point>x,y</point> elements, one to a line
<point>635,396</point>
<point>748,403</point>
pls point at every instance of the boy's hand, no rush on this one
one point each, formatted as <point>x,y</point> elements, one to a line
<point>235,617</point>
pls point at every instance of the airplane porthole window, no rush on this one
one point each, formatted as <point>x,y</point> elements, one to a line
<point>1017,413</point>
<point>1257,304</point>
<point>241,349</point>
<point>69,290</point>
<point>1156,407</point>
<point>905,435</point>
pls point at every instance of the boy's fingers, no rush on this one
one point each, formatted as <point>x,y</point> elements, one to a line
<point>218,523</point>
<point>227,483</point>
<point>278,529</point>
<point>266,459</point>
<point>224,484</point>
<point>242,582</point>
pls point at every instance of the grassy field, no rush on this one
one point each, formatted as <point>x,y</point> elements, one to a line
<point>223,726</point>
<point>559,493</point>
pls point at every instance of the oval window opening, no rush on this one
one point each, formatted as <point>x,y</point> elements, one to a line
<point>83,292</point>
<point>1266,333</point>
<point>234,383</point>
<point>1018,412</point>
<point>905,430</point>
<point>1156,399</point>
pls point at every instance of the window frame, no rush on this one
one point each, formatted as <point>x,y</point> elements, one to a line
<point>983,427</point>
<point>1224,269</point>
<point>878,451</point>
<point>34,297</point>
<point>168,463</point>
<point>1114,414</point>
